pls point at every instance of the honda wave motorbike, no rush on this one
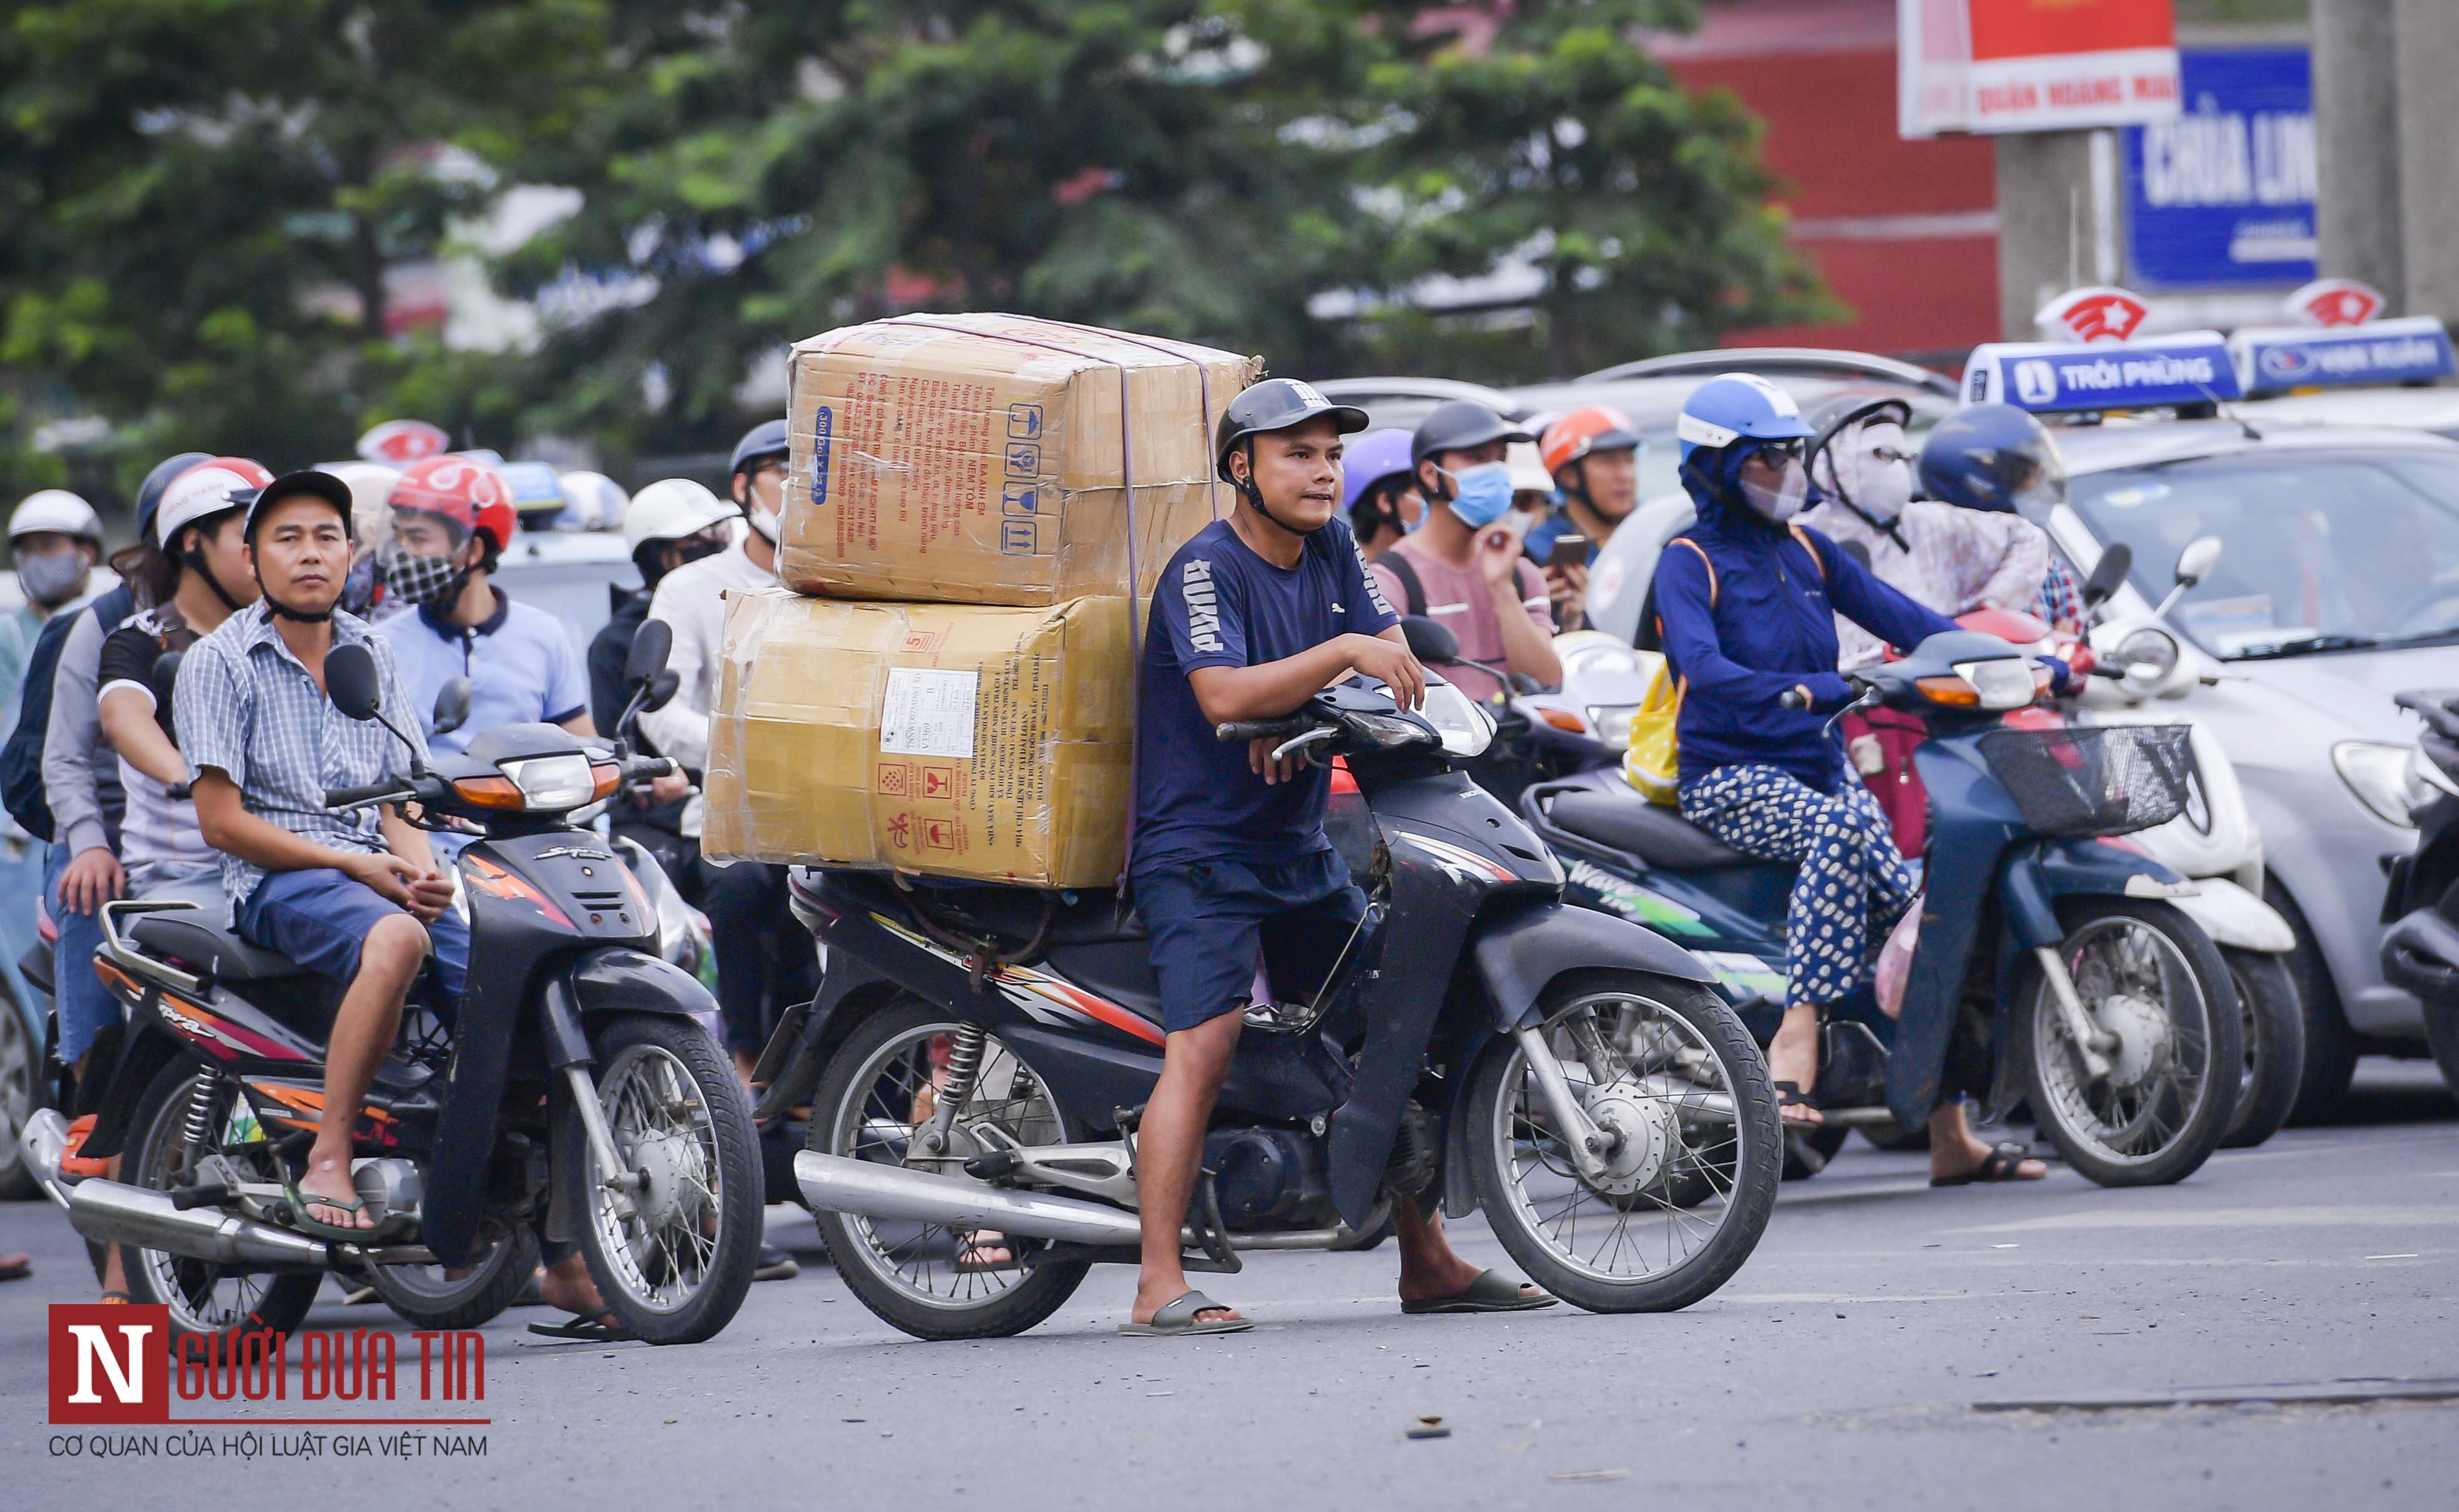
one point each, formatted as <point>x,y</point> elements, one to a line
<point>2421,953</point>
<point>2045,967</point>
<point>574,1092</point>
<point>978,1056</point>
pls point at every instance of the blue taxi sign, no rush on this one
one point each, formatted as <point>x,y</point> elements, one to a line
<point>2065,377</point>
<point>2381,352</point>
<point>534,485</point>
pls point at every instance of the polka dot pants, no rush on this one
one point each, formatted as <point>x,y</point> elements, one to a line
<point>1851,873</point>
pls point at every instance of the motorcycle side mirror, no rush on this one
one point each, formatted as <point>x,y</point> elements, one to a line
<point>650,647</point>
<point>2115,562</point>
<point>662,689</point>
<point>452,705</point>
<point>351,682</point>
<point>164,678</point>
<point>1429,640</point>
<point>2196,563</point>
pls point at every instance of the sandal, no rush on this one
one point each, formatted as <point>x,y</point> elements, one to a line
<point>300,1201</point>
<point>579,1329</point>
<point>1177,1319</point>
<point>72,1163</point>
<point>2005,1163</point>
<point>1789,1094</point>
<point>1492,1291</point>
<point>16,1266</point>
<point>116,1298</point>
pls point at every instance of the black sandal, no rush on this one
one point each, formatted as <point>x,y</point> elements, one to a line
<point>1789,1094</point>
<point>2005,1163</point>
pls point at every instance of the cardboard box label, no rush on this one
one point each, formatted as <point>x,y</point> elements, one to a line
<point>824,422</point>
<point>928,712</point>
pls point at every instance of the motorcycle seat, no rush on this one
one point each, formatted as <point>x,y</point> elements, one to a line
<point>1657,835</point>
<point>190,937</point>
<point>1015,913</point>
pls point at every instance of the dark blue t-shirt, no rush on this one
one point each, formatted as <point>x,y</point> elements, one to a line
<point>1219,605</point>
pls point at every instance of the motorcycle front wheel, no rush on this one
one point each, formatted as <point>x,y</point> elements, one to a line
<point>882,1087</point>
<point>2157,989</point>
<point>671,1246</point>
<point>1670,1079</point>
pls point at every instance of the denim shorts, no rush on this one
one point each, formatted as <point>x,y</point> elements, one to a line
<point>1211,921</point>
<point>321,918</point>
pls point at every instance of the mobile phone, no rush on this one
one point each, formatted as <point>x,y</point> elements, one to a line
<point>1569,551</point>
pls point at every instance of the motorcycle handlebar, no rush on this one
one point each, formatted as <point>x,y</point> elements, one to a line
<point>1256,729</point>
<point>365,792</point>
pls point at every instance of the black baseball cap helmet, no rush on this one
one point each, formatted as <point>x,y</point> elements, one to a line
<point>1276,404</point>
<point>1460,425</point>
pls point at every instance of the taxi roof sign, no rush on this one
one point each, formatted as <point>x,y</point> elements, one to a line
<point>2066,377</point>
<point>2378,353</point>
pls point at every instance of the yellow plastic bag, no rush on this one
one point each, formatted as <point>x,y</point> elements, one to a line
<point>1650,765</point>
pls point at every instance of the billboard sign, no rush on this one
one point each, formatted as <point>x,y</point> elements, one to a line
<point>1993,65</point>
<point>2221,195</point>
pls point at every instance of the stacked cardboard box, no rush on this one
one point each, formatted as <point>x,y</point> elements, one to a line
<point>1000,493</point>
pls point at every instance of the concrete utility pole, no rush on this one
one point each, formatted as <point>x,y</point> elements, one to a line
<point>2356,126</point>
<point>2426,52</point>
<point>2051,235</point>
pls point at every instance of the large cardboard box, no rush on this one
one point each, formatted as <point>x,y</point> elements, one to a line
<point>993,459</point>
<point>953,740</point>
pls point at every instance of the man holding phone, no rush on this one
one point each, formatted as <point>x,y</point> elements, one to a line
<point>1462,567</point>
<point>1593,454</point>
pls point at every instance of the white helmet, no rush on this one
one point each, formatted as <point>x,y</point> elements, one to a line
<point>56,510</point>
<point>671,509</point>
<point>371,485</point>
<point>592,502</point>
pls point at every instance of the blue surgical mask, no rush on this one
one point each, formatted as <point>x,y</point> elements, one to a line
<point>1482,493</point>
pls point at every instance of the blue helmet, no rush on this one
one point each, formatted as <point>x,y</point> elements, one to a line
<point>149,494</point>
<point>1737,407</point>
<point>1371,458</point>
<point>762,441</point>
<point>1994,458</point>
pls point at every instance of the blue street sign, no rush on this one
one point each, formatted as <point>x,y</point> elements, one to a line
<point>2058,377</point>
<point>2390,352</point>
<point>2223,195</point>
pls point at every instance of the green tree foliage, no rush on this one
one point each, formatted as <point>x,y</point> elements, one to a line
<point>204,195</point>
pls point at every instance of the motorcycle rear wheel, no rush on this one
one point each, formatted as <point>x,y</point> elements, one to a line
<point>1690,1059</point>
<point>2273,1021</point>
<point>676,1269</point>
<point>2144,970</point>
<point>878,1088</point>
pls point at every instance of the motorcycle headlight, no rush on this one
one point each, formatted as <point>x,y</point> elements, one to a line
<point>1465,730</point>
<point>2148,655</point>
<point>1613,723</point>
<point>548,783</point>
<point>2382,776</point>
<point>2002,683</point>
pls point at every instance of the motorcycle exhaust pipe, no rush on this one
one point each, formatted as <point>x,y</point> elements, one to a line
<point>115,1212</point>
<point>871,1189</point>
<point>41,1144</point>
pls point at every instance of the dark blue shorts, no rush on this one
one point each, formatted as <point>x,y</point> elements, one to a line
<point>321,918</point>
<point>1211,920</point>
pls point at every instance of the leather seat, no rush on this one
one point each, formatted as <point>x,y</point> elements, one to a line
<point>1657,835</point>
<point>191,937</point>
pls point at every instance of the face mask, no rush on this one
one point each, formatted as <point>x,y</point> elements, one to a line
<point>1784,501</point>
<point>764,521</point>
<point>1482,493</point>
<point>692,547</point>
<point>52,580</point>
<point>430,580</point>
<point>1878,471</point>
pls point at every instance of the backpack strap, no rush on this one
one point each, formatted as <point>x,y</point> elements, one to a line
<point>1685,541</point>
<point>1817,559</point>
<point>1412,592</point>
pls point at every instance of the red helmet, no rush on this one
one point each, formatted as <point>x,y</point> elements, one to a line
<point>462,489</point>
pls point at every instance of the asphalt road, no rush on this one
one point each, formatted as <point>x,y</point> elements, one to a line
<point>1854,1361</point>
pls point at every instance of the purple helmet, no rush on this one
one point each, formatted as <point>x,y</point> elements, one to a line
<point>1370,459</point>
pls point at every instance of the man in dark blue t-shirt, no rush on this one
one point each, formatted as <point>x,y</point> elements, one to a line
<point>1250,620</point>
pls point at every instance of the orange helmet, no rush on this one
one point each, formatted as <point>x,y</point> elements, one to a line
<point>1590,428</point>
<point>461,490</point>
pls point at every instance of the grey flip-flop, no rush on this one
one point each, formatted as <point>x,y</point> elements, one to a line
<point>1492,1291</point>
<point>1174,1319</point>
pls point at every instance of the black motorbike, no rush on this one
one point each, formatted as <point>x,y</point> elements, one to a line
<point>573,1094</point>
<point>2421,953</point>
<point>978,1056</point>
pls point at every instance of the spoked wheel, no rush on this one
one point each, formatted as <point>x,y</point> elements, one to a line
<point>880,1099</point>
<point>433,1296</point>
<point>2272,1020</point>
<point>177,1142</point>
<point>20,1072</point>
<point>1686,1157</point>
<point>673,1243</point>
<point>2159,997</point>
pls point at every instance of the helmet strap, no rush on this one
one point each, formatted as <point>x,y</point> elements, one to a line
<point>193,560</point>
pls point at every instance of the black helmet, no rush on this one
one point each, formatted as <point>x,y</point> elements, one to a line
<point>149,494</point>
<point>1460,425</point>
<point>1994,457</point>
<point>762,441</point>
<point>1276,404</point>
<point>1829,420</point>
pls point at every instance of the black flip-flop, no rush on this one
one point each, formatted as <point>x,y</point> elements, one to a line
<point>1492,1291</point>
<point>1789,1094</point>
<point>579,1329</point>
<point>16,1266</point>
<point>2005,1163</point>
